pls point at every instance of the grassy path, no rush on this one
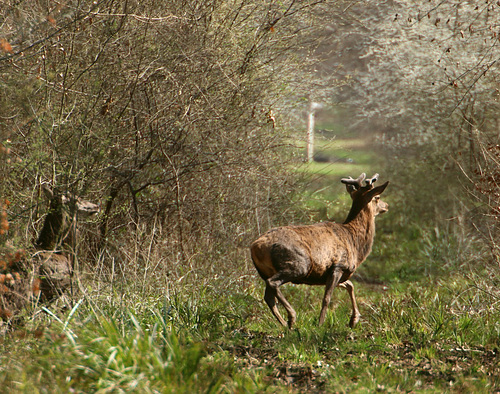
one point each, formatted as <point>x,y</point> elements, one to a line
<point>429,323</point>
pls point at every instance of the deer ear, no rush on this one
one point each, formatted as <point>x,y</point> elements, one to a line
<point>49,193</point>
<point>376,191</point>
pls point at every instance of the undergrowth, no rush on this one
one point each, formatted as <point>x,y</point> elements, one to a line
<point>431,335</point>
<point>430,322</point>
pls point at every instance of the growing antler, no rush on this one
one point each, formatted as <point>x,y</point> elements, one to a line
<point>371,181</point>
<point>355,183</point>
<point>358,183</point>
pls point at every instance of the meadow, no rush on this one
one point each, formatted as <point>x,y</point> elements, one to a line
<point>430,319</point>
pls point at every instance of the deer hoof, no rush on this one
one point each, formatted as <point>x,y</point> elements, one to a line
<point>354,320</point>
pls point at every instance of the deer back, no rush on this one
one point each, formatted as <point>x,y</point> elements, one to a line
<point>318,247</point>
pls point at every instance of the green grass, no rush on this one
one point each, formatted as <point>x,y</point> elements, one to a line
<point>429,336</point>
<point>430,322</point>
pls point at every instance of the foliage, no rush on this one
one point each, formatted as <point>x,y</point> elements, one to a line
<point>426,70</point>
<point>14,272</point>
<point>178,118</point>
<point>161,111</point>
<point>485,180</point>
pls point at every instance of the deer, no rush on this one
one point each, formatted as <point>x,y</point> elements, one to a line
<point>54,266</point>
<point>48,273</point>
<point>325,254</point>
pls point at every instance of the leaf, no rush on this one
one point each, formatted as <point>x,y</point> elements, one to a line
<point>5,46</point>
<point>51,20</point>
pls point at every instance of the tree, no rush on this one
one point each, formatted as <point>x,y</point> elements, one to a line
<point>160,110</point>
<point>425,79</point>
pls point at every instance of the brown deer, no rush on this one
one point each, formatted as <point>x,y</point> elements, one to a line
<point>48,273</point>
<point>325,253</point>
<point>58,232</point>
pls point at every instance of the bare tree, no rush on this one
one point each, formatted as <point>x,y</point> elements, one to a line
<point>161,111</point>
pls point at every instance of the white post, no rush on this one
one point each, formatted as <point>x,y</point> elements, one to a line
<point>310,134</point>
<point>310,129</point>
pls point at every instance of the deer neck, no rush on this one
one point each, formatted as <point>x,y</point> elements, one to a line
<point>362,229</point>
<point>53,226</point>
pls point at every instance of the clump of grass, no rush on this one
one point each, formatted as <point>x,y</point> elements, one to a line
<point>101,354</point>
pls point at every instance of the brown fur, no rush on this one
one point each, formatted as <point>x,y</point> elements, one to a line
<point>320,254</point>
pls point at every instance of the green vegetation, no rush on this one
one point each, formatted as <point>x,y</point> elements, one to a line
<point>181,119</point>
<point>432,335</point>
<point>426,327</point>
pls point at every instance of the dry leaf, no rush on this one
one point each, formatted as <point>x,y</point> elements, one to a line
<point>51,20</point>
<point>5,46</point>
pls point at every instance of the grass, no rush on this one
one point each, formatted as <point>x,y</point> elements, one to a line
<point>430,323</point>
<point>430,336</point>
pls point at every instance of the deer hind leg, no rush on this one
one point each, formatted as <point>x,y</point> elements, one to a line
<point>331,284</point>
<point>273,292</point>
<point>355,311</point>
<point>270,298</point>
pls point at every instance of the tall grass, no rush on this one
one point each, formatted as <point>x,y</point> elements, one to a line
<point>437,333</point>
<point>160,351</point>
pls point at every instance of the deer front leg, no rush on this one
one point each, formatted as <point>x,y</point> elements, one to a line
<point>355,311</point>
<point>331,284</point>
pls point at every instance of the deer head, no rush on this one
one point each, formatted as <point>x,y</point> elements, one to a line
<point>59,226</point>
<point>365,196</point>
